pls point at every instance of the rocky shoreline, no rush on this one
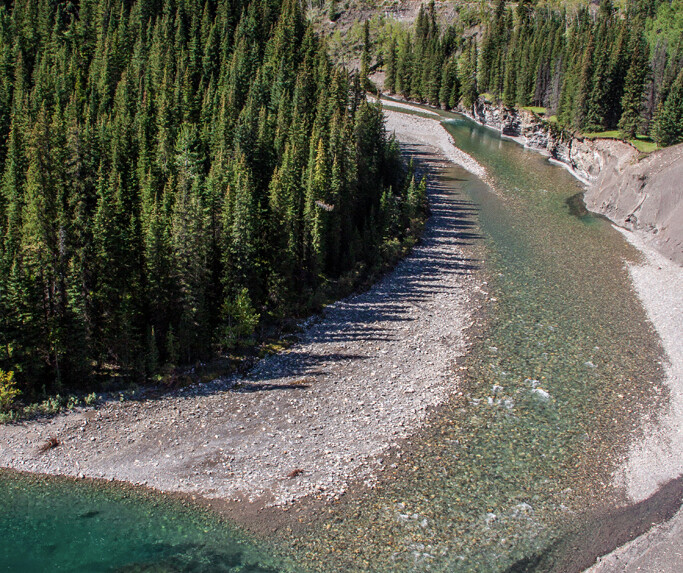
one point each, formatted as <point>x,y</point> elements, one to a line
<point>324,416</point>
<point>305,423</point>
<point>584,158</point>
<point>644,200</point>
<point>640,195</point>
<point>654,462</point>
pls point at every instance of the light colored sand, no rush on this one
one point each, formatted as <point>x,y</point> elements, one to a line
<point>658,457</point>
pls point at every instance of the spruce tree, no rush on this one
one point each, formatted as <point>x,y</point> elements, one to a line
<point>634,84</point>
<point>668,122</point>
<point>390,77</point>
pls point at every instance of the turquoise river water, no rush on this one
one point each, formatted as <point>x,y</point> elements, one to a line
<point>506,473</point>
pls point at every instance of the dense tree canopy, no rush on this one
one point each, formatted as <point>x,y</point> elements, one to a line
<point>172,171</point>
<point>594,70</point>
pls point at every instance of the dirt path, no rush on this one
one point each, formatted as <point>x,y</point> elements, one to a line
<point>304,422</point>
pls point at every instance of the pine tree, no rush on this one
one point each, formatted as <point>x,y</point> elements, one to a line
<point>634,84</point>
<point>668,123</point>
<point>365,57</point>
<point>390,78</point>
<point>174,171</point>
<point>467,75</point>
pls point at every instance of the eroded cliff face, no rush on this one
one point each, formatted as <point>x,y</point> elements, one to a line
<point>585,158</point>
<point>645,196</point>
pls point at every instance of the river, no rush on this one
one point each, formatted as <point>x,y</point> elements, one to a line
<point>518,462</point>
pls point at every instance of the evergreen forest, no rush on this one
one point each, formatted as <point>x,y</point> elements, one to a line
<point>174,174</point>
<point>587,69</point>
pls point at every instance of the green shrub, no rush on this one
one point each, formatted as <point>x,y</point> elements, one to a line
<point>241,319</point>
<point>8,390</point>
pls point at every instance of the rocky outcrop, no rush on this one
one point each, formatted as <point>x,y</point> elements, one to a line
<point>585,158</point>
<point>645,196</point>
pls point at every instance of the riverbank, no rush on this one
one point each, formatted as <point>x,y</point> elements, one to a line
<point>428,133</point>
<point>642,199</point>
<point>638,193</point>
<point>305,423</point>
<point>657,458</point>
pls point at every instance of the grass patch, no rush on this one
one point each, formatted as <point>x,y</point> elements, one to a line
<point>613,134</point>
<point>49,407</point>
<point>537,110</point>
<point>642,143</point>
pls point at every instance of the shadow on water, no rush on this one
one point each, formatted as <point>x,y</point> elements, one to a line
<point>59,525</point>
<point>602,533</point>
<point>196,560</point>
<point>577,208</point>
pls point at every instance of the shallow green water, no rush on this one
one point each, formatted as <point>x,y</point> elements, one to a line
<point>553,386</point>
<point>58,525</point>
<point>557,378</point>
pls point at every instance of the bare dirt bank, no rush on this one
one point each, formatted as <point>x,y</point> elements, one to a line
<point>308,421</point>
<point>642,195</point>
<point>645,196</point>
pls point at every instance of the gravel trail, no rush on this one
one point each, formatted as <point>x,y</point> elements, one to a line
<point>307,421</point>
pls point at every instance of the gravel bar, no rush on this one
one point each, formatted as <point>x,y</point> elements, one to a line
<point>310,420</point>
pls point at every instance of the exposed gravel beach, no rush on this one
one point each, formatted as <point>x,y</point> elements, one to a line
<point>427,132</point>
<point>658,457</point>
<point>312,419</point>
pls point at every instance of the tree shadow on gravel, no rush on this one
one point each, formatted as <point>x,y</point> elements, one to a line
<point>297,364</point>
<point>431,270</point>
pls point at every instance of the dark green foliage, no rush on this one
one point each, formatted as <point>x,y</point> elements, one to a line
<point>634,84</point>
<point>365,57</point>
<point>668,124</point>
<point>172,172</point>
<point>417,65</point>
<point>594,70</point>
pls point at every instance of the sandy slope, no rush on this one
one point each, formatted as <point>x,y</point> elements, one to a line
<point>644,196</point>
